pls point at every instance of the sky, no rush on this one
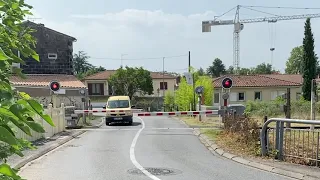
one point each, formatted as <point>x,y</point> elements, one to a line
<point>142,32</point>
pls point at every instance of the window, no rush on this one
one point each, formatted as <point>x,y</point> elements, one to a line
<point>53,56</point>
<point>257,96</point>
<point>298,96</point>
<point>233,96</point>
<point>118,104</point>
<point>163,85</point>
<point>275,94</point>
<point>216,98</point>
<point>241,96</point>
<point>96,88</point>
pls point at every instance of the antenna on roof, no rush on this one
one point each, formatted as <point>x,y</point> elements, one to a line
<point>32,18</point>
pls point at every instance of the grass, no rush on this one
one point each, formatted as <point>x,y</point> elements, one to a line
<point>207,122</point>
<point>211,133</point>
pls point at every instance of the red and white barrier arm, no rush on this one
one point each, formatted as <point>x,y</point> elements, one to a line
<point>211,112</point>
<point>105,111</point>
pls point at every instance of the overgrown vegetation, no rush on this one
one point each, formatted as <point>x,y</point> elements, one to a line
<point>299,109</point>
<point>184,95</point>
<point>16,108</point>
<point>240,135</point>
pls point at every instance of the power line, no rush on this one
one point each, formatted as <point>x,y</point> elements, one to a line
<point>138,59</point>
<point>280,7</point>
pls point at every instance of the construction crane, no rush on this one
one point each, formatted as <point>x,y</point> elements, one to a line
<point>239,25</point>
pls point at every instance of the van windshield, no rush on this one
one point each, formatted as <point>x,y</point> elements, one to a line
<point>118,104</point>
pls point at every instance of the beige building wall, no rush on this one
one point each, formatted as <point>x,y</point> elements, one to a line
<point>266,94</point>
<point>156,84</point>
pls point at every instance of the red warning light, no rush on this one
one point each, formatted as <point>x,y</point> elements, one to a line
<point>54,86</point>
<point>227,83</point>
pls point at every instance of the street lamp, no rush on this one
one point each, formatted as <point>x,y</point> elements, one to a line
<point>122,57</point>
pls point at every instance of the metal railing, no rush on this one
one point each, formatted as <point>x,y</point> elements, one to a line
<point>291,143</point>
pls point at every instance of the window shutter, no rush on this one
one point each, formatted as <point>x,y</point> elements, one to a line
<point>101,89</point>
<point>90,89</point>
<point>161,85</point>
<point>233,96</point>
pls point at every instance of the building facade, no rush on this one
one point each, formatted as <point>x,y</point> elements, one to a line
<point>55,51</point>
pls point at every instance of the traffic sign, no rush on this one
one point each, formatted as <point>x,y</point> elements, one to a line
<point>189,78</point>
<point>227,83</point>
<point>54,86</point>
<point>225,96</point>
<point>199,89</point>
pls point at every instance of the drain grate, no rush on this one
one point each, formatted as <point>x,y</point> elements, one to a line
<point>155,171</point>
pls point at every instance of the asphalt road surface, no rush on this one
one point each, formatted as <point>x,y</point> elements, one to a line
<point>146,150</point>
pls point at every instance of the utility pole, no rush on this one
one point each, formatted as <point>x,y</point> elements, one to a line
<point>193,84</point>
<point>313,115</point>
<point>163,86</point>
<point>122,58</point>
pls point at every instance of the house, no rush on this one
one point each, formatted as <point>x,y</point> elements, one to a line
<point>55,51</point>
<point>37,86</point>
<point>258,87</point>
<point>98,83</point>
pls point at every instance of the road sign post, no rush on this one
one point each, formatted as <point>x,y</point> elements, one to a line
<point>54,87</point>
<point>199,90</point>
<point>227,84</point>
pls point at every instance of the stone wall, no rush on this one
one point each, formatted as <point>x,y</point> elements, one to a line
<point>50,41</point>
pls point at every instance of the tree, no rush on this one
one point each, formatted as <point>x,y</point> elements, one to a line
<point>80,63</point>
<point>230,70</point>
<point>201,72</point>
<point>169,101</point>
<point>217,68</point>
<point>90,72</point>
<point>206,82</point>
<point>245,71</point>
<point>309,61</point>
<point>16,108</point>
<point>295,61</point>
<point>184,95</point>
<point>130,81</point>
<point>263,68</point>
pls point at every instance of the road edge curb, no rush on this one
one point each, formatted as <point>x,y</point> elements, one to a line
<point>214,148</point>
<point>46,150</point>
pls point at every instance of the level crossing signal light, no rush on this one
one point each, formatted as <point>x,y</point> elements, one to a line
<point>54,86</point>
<point>227,83</point>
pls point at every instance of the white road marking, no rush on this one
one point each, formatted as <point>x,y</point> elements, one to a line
<point>133,157</point>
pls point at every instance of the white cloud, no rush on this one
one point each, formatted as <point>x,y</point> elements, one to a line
<point>143,33</point>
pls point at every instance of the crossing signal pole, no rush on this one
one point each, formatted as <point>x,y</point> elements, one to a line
<point>54,87</point>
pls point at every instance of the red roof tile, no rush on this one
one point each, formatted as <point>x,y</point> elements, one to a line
<point>106,74</point>
<point>66,81</point>
<point>255,81</point>
<point>286,77</point>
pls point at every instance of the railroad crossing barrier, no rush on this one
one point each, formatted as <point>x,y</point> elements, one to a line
<point>139,113</point>
<point>105,111</point>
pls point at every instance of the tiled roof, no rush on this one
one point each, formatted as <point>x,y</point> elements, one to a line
<point>66,81</point>
<point>254,81</point>
<point>30,23</point>
<point>106,75</point>
<point>287,77</point>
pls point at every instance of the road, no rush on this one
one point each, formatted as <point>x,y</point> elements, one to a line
<point>115,153</point>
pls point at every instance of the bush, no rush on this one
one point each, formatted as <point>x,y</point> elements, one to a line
<point>299,109</point>
<point>247,129</point>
